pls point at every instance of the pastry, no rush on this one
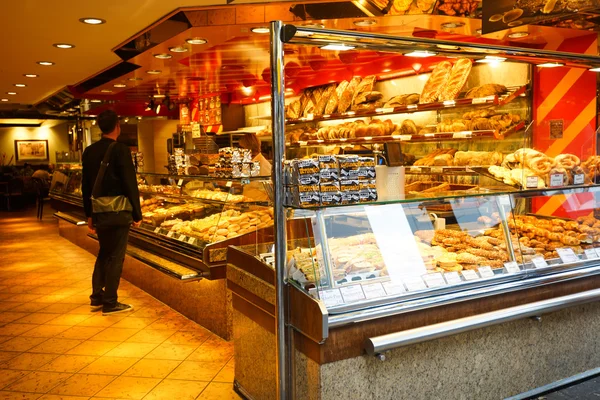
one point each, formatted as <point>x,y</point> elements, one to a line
<point>456,81</point>
<point>408,127</point>
<point>486,90</point>
<point>436,82</point>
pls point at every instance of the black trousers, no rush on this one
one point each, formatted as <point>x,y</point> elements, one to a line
<point>109,264</point>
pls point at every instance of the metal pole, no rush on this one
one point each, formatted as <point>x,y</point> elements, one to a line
<point>278,115</point>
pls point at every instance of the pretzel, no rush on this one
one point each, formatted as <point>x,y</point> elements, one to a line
<point>540,165</point>
<point>567,161</point>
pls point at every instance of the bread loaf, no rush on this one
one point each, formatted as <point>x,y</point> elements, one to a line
<point>435,84</point>
<point>326,94</point>
<point>345,101</point>
<point>458,78</point>
<point>332,103</point>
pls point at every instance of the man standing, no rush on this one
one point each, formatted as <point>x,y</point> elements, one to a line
<point>112,230</point>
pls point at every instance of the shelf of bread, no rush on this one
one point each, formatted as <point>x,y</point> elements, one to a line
<point>208,197</point>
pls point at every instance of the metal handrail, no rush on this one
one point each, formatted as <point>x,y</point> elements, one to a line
<point>376,345</point>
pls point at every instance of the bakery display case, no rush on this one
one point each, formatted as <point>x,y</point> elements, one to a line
<point>65,189</point>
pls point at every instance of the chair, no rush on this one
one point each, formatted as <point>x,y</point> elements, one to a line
<point>14,189</point>
<point>41,194</point>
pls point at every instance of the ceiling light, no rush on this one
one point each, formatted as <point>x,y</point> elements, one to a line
<point>139,118</point>
<point>119,85</point>
<point>135,79</point>
<point>106,91</point>
<point>550,65</point>
<point>63,45</point>
<point>597,69</point>
<point>93,122</point>
<point>196,40</point>
<point>421,54</point>
<point>516,35</point>
<point>365,22</point>
<point>158,96</point>
<point>30,75</point>
<point>153,71</point>
<point>11,93</point>
<point>95,101</point>
<point>337,47</point>
<point>126,120</point>
<point>92,21</point>
<point>261,29</point>
<point>163,56</point>
<point>4,100</point>
<point>452,25</point>
<point>178,49</point>
<point>20,85</point>
<point>491,59</point>
<point>45,63</point>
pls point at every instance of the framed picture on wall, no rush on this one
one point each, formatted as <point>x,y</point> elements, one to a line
<point>31,150</point>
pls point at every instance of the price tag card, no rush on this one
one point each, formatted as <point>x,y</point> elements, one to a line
<point>437,170</point>
<point>229,184</point>
<point>415,169</point>
<point>578,179</point>
<point>352,293</point>
<point>598,251</point>
<point>591,254</point>
<point>405,138</point>
<point>434,280</point>
<point>414,284</point>
<point>511,267</point>
<point>532,182</point>
<point>486,272</point>
<point>469,275</point>
<point>180,182</point>
<point>539,262</point>
<point>170,234</point>
<point>157,230</point>
<point>331,297</point>
<point>479,100</point>
<point>302,142</point>
<point>393,287</point>
<point>183,238</point>
<point>567,255</point>
<point>191,240</point>
<point>557,180</point>
<point>452,278</point>
<point>374,291</point>
<point>461,135</point>
<point>412,106</point>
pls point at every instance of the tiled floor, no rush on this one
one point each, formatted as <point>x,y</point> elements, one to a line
<point>52,347</point>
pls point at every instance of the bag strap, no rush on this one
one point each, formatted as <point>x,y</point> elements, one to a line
<point>102,170</point>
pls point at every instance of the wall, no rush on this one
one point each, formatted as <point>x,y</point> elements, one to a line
<point>57,137</point>
<point>152,142</point>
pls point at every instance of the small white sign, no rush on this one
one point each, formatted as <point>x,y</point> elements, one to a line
<point>414,284</point>
<point>567,255</point>
<point>415,169</point>
<point>452,278</point>
<point>479,100</point>
<point>437,170</point>
<point>157,230</point>
<point>183,238</point>
<point>331,297</point>
<point>512,267</point>
<point>352,293</point>
<point>229,184</point>
<point>486,272</point>
<point>405,138</point>
<point>557,180</point>
<point>462,135</point>
<point>469,275</point>
<point>434,280</point>
<point>591,254</point>
<point>374,291</point>
<point>539,262</point>
<point>532,182</point>
<point>598,251</point>
<point>170,234</point>
<point>191,240</point>
<point>302,142</point>
<point>578,179</point>
<point>180,182</point>
<point>392,288</point>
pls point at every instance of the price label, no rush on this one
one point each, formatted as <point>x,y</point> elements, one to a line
<point>302,143</point>
<point>479,100</point>
<point>461,135</point>
<point>434,280</point>
<point>229,184</point>
<point>598,251</point>
<point>567,255</point>
<point>486,272</point>
<point>591,254</point>
<point>539,262</point>
<point>385,110</point>
<point>331,297</point>
<point>415,169</point>
<point>191,240</point>
<point>405,138</point>
<point>452,278</point>
<point>532,182</point>
<point>415,284</point>
<point>412,106</point>
<point>392,288</point>
<point>170,234</point>
<point>352,293</point>
<point>578,179</point>
<point>183,238</point>
<point>157,230</point>
<point>374,291</point>
<point>469,275</point>
<point>557,180</point>
<point>512,267</point>
<point>437,170</point>
<point>180,182</point>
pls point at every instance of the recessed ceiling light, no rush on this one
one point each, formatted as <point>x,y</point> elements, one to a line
<point>338,47</point>
<point>30,75</point>
<point>516,35</point>
<point>135,79</point>
<point>92,21</point>
<point>11,93</point>
<point>95,101</point>
<point>20,85</point>
<point>4,100</point>
<point>178,49</point>
<point>196,40</point>
<point>162,56</point>
<point>491,59</point>
<point>63,45</point>
<point>261,29</point>
<point>45,63</point>
<point>597,69</point>
<point>153,71</point>
<point>365,22</point>
<point>452,25</point>
<point>106,91</point>
<point>119,85</point>
<point>421,54</point>
<point>550,65</point>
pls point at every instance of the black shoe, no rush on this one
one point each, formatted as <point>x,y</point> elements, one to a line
<point>117,309</point>
<point>96,307</point>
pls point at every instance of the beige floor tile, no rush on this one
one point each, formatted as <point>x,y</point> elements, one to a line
<point>80,332</point>
<point>115,334</point>
<point>8,355</point>
<point>196,371</point>
<point>4,395</point>
<point>5,338</point>
<point>68,319</point>
<point>67,363</point>
<point>219,391</point>
<point>212,353</point>
<point>38,318</point>
<point>227,373</point>
<point>84,310</point>
<point>47,331</point>
<point>130,349</point>
<point>129,387</point>
<point>56,346</point>
<point>93,348</point>
<point>21,343</point>
<point>8,376</point>
<point>134,323</point>
<point>49,298</point>
<point>61,397</point>
<point>15,329</point>
<point>101,321</point>
<point>28,361</point>
<point>147,368</point>
<point>43,290</point>
<point>167,351</point>
<point>181,390</point>
<point>59,308</point>
<point>83,385</point>
<point>29,307</point>
<point>196,337</point>
<point>38,382</point>
<point>168,323</point>
<point>151,336</point>
<point>146,312</point>
<point>109,366</point>
<point>10,316</point>
<point>24,298</point>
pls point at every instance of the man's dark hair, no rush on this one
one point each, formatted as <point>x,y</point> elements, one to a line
<point>107,121</point>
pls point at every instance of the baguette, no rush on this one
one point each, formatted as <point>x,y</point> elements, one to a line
<point>436,82</point>
<point>332,103</point>
<point>345,101</point>
<point>458,78</point>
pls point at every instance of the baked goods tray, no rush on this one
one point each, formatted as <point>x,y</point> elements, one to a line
<point>182,197</point>
<point>483,171</point>
<point>513,92</point>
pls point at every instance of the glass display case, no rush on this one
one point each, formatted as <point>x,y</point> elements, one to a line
<point>66,185</point>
